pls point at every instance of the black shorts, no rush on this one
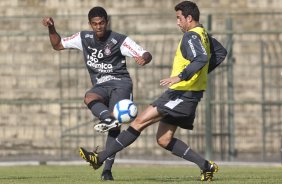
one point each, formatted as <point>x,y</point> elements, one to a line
<point>177,108</point>
<point>111,95</point>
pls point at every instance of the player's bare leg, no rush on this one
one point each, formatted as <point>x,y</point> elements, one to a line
<point>179,148</point>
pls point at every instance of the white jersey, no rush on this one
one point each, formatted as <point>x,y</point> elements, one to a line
<point>105,60</point>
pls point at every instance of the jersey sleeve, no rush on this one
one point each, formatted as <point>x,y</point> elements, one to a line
<point>72,42</point>
<point>193,50</point>
<point>218,53</point>
<point>131,49</point>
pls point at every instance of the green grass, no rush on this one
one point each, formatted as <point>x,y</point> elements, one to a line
<point>135,174</point>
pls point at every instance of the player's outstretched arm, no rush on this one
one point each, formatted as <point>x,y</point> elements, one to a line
<point>131,49</point>
<point>55,38</point>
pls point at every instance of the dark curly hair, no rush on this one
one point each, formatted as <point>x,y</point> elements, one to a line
<point>189,8</point>
<point>97,12</point>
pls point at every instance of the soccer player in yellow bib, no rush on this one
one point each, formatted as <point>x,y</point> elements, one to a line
<point>177,105</point>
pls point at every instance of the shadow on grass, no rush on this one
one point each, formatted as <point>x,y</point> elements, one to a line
<point>162,179</point>
<point>26,177</point>
<point>15,178</point>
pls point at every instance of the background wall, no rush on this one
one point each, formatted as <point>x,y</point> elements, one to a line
<point>39,87</point>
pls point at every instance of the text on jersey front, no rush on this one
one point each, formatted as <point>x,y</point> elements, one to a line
<point>93,61</point>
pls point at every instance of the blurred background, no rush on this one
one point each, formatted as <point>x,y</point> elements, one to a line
<point>42,114</point>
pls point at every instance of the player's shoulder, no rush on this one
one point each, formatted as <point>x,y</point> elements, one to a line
<point>117,35</point>
<point>191,35</point>
<point>189,38</point>
<point>87,34</point>
<point>116,38</point>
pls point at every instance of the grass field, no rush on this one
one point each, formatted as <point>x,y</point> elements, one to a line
<point>135,174</point>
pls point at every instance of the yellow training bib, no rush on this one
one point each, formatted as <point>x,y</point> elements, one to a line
<point>199,80</point>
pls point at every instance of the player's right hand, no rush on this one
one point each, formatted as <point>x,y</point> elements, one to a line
<point>48,21</point>
<point>170,81</point>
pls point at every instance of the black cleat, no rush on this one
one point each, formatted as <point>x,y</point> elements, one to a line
<point>107,175</point>
<point>208,174</point>
<point>91,157</point>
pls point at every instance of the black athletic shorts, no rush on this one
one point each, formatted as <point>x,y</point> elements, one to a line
<point>111,95</point>
<point>178,107</point>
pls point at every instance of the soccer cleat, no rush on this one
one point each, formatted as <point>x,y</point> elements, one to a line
<point>106,125</point>
<point>91,157</point>
<point>107,175</point>
<point>208,174</point>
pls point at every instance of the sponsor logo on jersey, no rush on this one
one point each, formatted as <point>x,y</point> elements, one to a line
<point>192,47</point>
<point>89,36</point>
<point>194,36</point>
<point>101,67</point>
<point>204,50</point>
<point>94,60</point>
<point>106,78</point>
<point>114,41</point>
<point>71,37</point>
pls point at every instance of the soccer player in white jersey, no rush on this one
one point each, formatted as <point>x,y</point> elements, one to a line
<point>104,54</point>
<point>196,55</point>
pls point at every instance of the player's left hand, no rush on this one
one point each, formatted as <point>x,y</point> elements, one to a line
<point>144,59</point>
<point>170,81</point>
<point>140,61</point>
<point>48,21</point>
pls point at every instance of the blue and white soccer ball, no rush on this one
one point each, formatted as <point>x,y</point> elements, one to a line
<point>125,111</point>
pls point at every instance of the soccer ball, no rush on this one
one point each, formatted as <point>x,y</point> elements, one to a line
<point>125,111</point>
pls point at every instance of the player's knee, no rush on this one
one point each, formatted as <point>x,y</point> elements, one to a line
<point>89,97</point>
<point>163,141</point>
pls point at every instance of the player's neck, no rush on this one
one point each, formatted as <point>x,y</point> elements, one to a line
<point>193,25</point>
<point>104,38</point>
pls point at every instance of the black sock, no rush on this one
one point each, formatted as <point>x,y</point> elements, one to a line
<point>180,149</point>
<point>112,135</point>
<point>124,139</point>
<point>100,110</point>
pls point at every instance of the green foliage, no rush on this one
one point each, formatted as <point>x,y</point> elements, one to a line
<point>137,174</point>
